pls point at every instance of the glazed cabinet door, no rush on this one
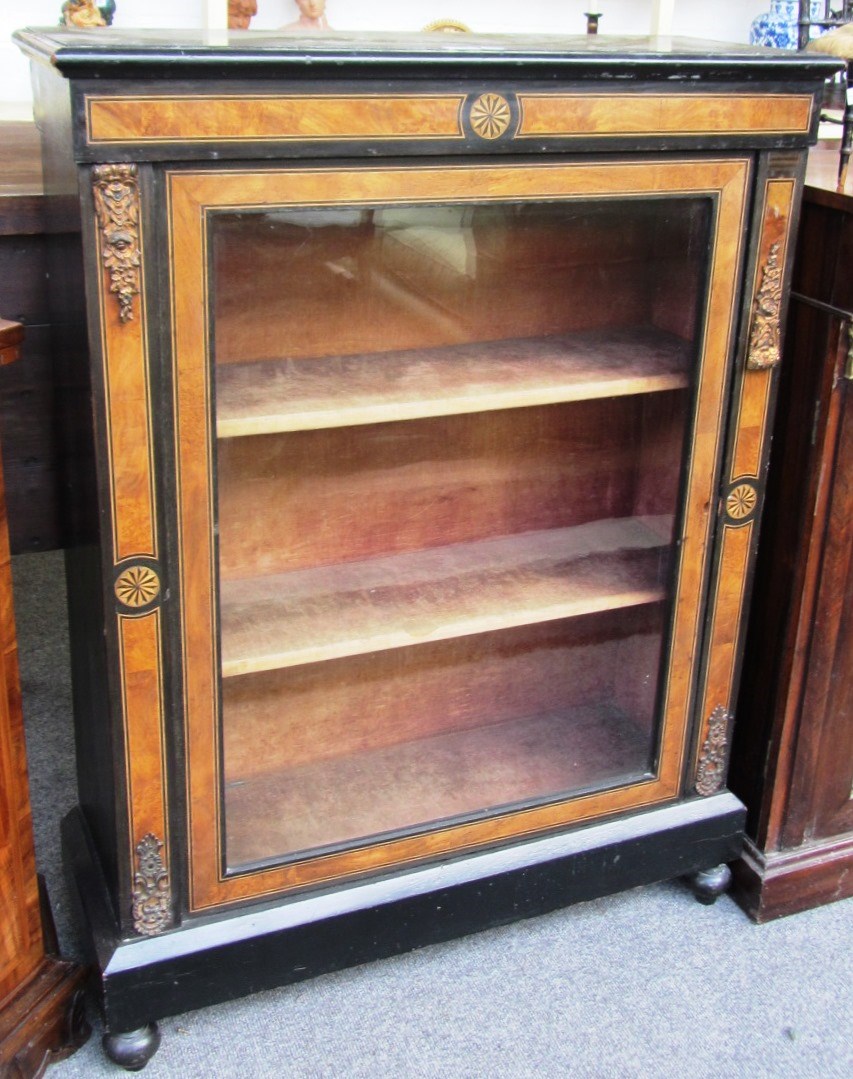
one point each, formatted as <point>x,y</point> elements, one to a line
<point>448,442</point>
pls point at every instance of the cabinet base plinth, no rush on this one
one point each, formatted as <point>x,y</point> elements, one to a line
<point>228,954</point>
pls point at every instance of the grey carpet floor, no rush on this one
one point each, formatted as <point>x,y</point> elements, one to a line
<point>646,983</point>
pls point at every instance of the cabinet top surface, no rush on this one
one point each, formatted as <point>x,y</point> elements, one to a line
<point>111,53</point>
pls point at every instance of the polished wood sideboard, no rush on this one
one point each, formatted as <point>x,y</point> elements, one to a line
<point>792,760</point>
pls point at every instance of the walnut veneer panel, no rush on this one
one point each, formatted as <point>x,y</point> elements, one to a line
<point>656,114</point>
<point>316,118</point>
<point>779,196</point>
<point>212,117</point>
<point>128,414</point>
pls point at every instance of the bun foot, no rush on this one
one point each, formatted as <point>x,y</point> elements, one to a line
<point>709,884</point>
<point>133,1049</point>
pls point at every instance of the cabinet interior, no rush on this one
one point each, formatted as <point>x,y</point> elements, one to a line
<point>449,458</point>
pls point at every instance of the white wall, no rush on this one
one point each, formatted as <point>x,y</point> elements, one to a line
<point>15,94</point>
<point>720,20</point>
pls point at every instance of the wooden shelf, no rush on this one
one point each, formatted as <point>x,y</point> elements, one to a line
<point>351,608</point>
<point>265,397</point>
<point>424,780</point>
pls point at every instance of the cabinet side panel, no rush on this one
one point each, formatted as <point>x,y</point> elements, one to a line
<point>79,503</point>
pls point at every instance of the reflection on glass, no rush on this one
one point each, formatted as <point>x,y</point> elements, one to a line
<point>450,446</point>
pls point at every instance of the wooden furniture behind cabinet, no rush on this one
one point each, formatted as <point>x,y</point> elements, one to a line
<point>29,390</point>
<point>431,381</point>
<point>793,751</point>
<point>41,997</point>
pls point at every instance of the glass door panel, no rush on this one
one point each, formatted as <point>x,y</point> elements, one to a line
<point>450,446</point>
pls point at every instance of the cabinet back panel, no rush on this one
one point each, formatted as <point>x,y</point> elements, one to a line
<point>318,497</point>
<point>323,710</point>
<point>416,786</point>
<point>681,256</point>
<point>315,283</point>
<point>659,452</point>
<point>352,748</point>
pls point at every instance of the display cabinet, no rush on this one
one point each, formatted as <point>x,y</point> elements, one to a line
<point>430,383</point>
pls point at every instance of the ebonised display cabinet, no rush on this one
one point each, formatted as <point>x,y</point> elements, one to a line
<point>430,380</point>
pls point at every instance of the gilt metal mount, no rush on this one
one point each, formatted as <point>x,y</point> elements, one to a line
<point>765,349</point>
<point>116,194</point>
<point>710,772</point>
<point>152,894</point>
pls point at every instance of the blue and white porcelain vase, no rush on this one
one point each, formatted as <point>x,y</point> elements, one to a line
<point>778,27</point>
